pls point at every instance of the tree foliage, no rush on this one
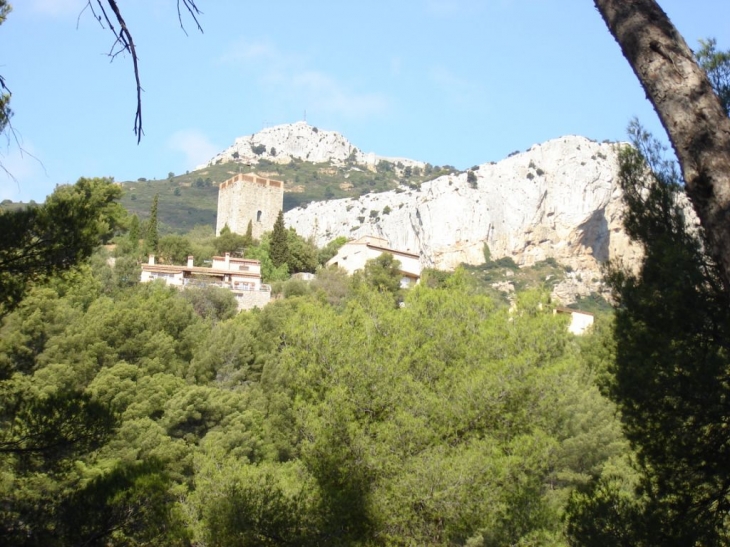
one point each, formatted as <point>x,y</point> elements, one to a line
<point>441,422</point>
<point>230,242</point>
<point>174,249</point>
<point>279,246</point>
<point>717,66</point>
<point>668,376</point>
<point>41,241</point>
<point>302,253</point>
<point>382,274</point>
<point>152,238</point>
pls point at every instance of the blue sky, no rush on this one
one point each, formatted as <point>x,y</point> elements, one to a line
<point>457,82</point>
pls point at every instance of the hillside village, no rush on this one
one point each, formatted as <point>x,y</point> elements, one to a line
<point>566,210</point>
<point>556,201</point>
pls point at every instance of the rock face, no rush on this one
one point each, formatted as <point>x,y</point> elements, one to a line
<point>282,143</point>
<point>559,199</point>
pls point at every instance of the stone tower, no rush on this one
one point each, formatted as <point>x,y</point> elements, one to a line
<point>245,198</point>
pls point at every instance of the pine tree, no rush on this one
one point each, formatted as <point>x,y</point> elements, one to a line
<point>249,234</point>
<point>279,250</point>
<point>134,232</point>
<point>152,239</point>
<point>668,376</point>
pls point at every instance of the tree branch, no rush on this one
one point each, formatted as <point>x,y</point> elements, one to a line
<point>123,41</point>
<point>192,10</point>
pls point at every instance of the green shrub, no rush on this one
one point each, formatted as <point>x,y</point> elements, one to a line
<point>507,262</point>
<point>471,178</point>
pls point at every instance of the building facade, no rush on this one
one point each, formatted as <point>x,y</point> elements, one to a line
<point>580,321</point>
<point>353,255</point>
<point>249,198</point>
<point>242,276</point>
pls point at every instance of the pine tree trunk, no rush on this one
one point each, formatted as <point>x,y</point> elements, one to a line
<point>688,108</point>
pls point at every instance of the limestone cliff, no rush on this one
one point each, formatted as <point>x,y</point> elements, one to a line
<point>282,143</point>
<point>559,199</point>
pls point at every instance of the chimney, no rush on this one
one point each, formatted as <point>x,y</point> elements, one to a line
<point>190,261</point>
<point>228,261</point>
<point>151,260</point>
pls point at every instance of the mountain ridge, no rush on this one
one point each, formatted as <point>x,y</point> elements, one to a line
<point>558,200</point>
<point>299,140</point>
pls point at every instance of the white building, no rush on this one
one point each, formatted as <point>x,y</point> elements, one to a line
<point>353,255</point>
<point>242,276</point>
<point>580,321</point>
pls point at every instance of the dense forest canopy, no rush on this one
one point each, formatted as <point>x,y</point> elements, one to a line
<point>317,420</point>
<point>350,411</point>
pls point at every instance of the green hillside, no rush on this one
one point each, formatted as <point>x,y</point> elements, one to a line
<point>191,199</point>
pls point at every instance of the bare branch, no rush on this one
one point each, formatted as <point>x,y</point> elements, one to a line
<point>123,41</point>
<point>126,43</point>
<point>192,10</point>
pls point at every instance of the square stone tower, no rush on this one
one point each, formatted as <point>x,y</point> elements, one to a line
<point>245,198</point>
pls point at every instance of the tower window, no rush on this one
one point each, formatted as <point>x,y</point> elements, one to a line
<point>258,216</point>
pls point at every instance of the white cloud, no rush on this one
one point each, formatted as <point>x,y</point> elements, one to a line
<point>326,94</point>
<point>196,146</point>
<point>290,79</point>
<point>456,89</point>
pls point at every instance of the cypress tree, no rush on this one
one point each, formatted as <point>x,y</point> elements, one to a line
<point>134,232</point>
<point>249,233</point>
<point>152,238</point>
<point>279,249</point>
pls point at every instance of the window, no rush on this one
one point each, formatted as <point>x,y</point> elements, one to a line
<point>258,216</point>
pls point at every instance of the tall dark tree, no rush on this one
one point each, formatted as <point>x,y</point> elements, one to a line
<point>249,233</point>
<point>689,109</point>
<point>133,234</point>
<point>279,246</point>
<point>672,330</point>
<point>151,240</point>
<point>670,373</point>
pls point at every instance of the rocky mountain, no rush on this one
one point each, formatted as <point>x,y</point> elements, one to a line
<point>557,200</point>
<point>282,143</point>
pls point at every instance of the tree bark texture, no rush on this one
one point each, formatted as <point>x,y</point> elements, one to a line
<point>690,112</point>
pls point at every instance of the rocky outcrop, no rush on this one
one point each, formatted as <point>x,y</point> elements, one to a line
<point>559,199</point>
<point>282,143</point>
